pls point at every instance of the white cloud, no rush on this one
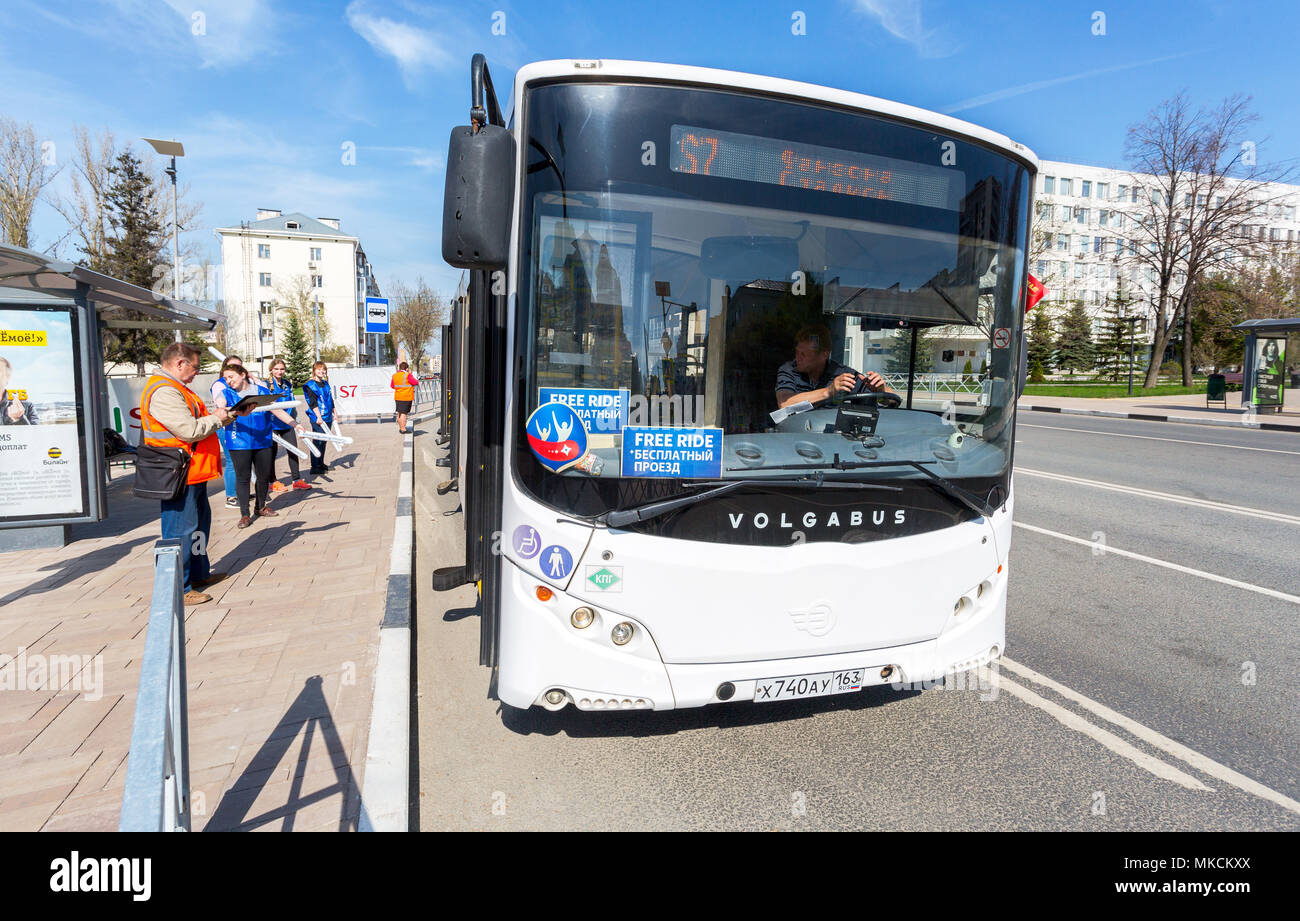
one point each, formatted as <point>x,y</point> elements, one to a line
<point>903,20</point>
<point>1023,88</point>
<point>416,50</point>
<point>228,32</point>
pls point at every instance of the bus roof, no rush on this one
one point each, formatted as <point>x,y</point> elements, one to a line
<point>608,71</point>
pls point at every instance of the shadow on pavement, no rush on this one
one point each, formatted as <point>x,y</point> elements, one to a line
<point>268,541</point>
<point>581,724</point>
<point>76,566</point>
<point>308,713</point>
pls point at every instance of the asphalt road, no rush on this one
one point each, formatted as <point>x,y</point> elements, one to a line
<point>1141,694</point>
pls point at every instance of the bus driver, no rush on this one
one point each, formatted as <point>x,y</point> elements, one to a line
<point>814,376</point>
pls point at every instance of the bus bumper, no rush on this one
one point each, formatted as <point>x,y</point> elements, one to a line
<point>542,651</point>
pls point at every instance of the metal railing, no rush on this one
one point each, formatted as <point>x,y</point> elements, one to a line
<point>426,395</point>
<point>936,384</point>
<point>157,796</point>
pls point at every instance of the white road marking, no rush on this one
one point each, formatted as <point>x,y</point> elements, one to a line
<point>1181,441</point>
<point>1272,593</point>
<point>1164,496</point>
<point>1156,740</point>
<point>1072,720</point>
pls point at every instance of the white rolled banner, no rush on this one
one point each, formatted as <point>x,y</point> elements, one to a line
<point>338,446</point>
<point>288,447</point>
<point>290,404</point>
<point>332,439</point>
<point>217,354</point>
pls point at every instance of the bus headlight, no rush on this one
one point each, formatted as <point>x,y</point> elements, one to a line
<point>582,618</point>
<point>621,634</point>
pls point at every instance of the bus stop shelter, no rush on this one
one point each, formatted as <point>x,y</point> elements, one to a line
<point>53,393</point>
<point>1264,371</point>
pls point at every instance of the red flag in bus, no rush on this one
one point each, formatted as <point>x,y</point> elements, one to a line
<point>1035,293</point>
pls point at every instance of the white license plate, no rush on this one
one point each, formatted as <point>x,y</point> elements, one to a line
<point>797,687</point>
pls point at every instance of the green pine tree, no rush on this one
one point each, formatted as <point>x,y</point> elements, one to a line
<point>1075,350</point>
<point>296,350</point>
<point>898,359</point>
<point>1040,339</point>
<point>135,246</point>
<point>1112,343</point>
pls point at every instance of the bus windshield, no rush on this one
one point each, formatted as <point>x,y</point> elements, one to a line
<point>699,267</point>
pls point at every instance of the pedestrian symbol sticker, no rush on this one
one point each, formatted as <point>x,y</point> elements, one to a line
<point>556,562</point>
<point>1001,338</point>
<point>527,541</point>
<point>557,436</point>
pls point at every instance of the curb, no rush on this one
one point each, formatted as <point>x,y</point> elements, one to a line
<point>386,788</point>
<point>1143,417</point>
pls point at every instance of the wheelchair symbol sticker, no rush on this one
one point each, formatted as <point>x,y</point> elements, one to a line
<point>527,541</point>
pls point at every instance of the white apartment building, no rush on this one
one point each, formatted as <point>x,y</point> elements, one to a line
<point>261,257</point>
<point>1086,216</point>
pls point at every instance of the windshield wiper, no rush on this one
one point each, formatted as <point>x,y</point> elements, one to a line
<point>617,518</point>
<point>971,501</point>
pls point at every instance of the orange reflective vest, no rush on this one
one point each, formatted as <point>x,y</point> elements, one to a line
<point>205,456</point>
<point>402,389</point>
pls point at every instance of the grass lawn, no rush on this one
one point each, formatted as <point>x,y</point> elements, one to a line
<point>1103,391</point>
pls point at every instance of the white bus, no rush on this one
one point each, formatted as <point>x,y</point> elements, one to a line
<point>647,246</point>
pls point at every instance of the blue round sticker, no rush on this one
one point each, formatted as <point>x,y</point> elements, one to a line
<point>557,436</point>
<point>555,562</point>
<point>527,541</point>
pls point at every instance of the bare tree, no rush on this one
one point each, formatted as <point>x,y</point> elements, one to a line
<point>1201,188</point>
<point>418,315</point>
<point>86,211</point>
<point>25,171</point>
<point>297,296</point>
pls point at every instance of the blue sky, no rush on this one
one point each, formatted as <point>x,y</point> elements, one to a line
<point>265,93</point>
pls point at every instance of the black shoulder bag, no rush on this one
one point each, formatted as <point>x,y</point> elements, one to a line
<point>160,473</point>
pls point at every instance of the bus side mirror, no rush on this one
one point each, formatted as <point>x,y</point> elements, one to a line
<point>478,201</point>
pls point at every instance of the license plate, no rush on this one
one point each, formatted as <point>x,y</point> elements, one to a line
<point>797,687</point>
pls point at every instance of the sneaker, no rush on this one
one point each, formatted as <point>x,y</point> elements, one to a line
<point>277,486</point>
<point>212,579</point>
<point>244,522</point>
<point>267,512</point>
<point>193,597</point>
<point>301,484</point>
<point>232,502</point>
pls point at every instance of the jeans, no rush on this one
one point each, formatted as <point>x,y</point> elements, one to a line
<point>228,472</point>
<point>189,520</point>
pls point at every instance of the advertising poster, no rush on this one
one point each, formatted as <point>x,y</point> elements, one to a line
<point>40,439</point>
<point>1270,362</point>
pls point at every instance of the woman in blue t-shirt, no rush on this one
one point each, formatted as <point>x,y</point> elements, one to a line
<point>320,409</point>
<point>281,385</point>
<point>249,442</point>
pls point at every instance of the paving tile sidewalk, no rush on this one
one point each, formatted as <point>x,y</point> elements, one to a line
<point>280,662</point>
<point>1182,406</point>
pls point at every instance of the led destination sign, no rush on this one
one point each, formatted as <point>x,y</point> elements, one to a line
<point>725,154</point>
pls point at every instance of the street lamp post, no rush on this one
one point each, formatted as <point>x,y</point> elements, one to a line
<point>1131,321</point>
<point>315,331</point>
<point>173,149</point>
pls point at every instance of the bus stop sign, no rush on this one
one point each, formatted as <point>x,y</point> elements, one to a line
<point>377,315</point>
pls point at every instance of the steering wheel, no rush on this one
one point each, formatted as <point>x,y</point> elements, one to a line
<point>863,397</point>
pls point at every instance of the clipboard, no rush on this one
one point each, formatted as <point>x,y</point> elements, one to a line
<point>253,400</point>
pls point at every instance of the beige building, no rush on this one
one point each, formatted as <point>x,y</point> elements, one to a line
<point>262,257</point>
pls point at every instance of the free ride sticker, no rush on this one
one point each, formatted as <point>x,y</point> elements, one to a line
<point>601,411</point>
<point>672,452</point>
